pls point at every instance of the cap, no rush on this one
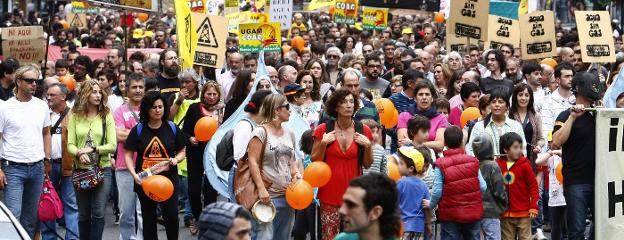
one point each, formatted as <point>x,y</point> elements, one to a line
<point>292,88</point>
<point>216,220</point>
<point>587,85</point>
<point>482,148</point>
<point>407,31</point>
<point>413,154</point>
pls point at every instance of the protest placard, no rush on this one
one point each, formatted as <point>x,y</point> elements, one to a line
<point>375,18</point>
<point>260,36</point>
<point>211,36</point>
<point>281,12</point>
<point>26,44</point>
<point>316,4</point>
<point>459,44</point>
<point>425,5</point>
<point>198,6</point>
<point>212,7</point>
<point>502,30</point>
<point>78,20</point>
<point>346,11</point>
<point>83,7</point>
<point>253,17</point>
<point>136,5</point>
<point>537,31</point>
<point>595,36</point>
<point>469,18</point>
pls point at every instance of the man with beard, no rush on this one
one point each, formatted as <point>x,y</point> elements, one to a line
<point>82,68</point>
<point>512,72</point>
<point>226,79</point>
<point>114,59</point>
<point>333,55</point>
<point>160,39</point>
<point>496,65</point>
<point>168,78</point>
<point>7,75</point>
<point>372,82</point>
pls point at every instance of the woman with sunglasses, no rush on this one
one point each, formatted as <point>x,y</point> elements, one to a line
<point>278,165</point>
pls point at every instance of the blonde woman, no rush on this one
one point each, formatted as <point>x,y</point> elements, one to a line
<point>91,139</point>
<point>279,166</point>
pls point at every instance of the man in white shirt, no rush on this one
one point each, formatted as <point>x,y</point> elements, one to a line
<point>226,80</point>
<point>532,73</point>
<point>25,129</point>
<point>560,99</point>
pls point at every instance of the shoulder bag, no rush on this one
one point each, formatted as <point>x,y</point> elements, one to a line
<point>87,179</point>
<point>245,189</point>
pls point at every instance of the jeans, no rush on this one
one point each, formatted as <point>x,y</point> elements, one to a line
<point>454,230</point>
<point>231,176</point>
<point>129,207</point>
<point>307,222</point>
<point>183,199</point>
<point>282,224</point>
<point>491,228</point>
<point>579,197</point>
<point>91,206</point>
<point>65,189</point>
<point>22,193</point>
<point>169,210</point>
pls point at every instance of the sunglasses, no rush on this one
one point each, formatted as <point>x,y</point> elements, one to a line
<point>29,80</point>
<point>332,56</point>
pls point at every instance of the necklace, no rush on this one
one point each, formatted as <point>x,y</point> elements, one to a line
<point>342,129</point>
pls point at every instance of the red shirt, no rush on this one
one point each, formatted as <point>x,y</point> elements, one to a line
<point>343,166</point>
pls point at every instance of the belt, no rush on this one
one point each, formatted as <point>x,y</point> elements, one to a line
<point>19,163</point>
<point>56,160</point>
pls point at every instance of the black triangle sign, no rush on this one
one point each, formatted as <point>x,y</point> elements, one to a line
<point>206,34</point>
<point>76,22</point>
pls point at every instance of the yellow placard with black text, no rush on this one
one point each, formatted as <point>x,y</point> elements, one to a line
<point>254,37</point>
<point>595,36</point>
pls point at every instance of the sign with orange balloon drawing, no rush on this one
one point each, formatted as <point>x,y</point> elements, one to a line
<point>375,18</point>
<point>346,11</point>
<point>254,37</point>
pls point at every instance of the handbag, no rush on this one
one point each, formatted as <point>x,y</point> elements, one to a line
<point>245,189</point>
<point>50,205</point>
<point>87,179</point>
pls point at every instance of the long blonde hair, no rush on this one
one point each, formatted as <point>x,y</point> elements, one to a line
<point>81,107</point>
<point>269,105</point>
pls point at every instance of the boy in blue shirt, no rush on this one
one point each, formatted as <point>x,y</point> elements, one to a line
<point>413,195</point>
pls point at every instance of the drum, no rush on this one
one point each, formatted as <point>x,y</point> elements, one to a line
<point>262,212</point>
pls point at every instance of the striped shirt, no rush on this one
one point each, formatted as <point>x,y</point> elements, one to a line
<point>380,161</point>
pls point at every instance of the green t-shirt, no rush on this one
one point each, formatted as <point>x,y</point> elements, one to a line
<point>355,236</point>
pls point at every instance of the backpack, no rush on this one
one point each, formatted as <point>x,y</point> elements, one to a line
<point>359,128</point>
<point>225,149</point>
<point>50,205</point>
<point>172,125</point>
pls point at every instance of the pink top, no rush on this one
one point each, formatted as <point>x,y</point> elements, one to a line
<point>455,116</point>
<point>455,101</point>
<point>436,122</point>
<point>124,120</point>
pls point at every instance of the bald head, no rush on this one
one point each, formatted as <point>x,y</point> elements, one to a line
<point>287,74</point>
<point>235,62</point>
<point>566,55</point>
<point>431,49</point>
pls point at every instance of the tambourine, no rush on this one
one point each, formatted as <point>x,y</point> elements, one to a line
<point>262,212</point>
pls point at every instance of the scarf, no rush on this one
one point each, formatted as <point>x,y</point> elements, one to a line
<point>429,113</point>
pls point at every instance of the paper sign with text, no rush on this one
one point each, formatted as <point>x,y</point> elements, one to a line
<point>502,30</point>
<point>282,12</point>
<point>141,5</point>
<point>537,31</point>
<point>595,36</point>
<point>375,18</point>
<point>469,18</point>
<point>252,17</point>
<point>346,11</point>
<point>78,20</point>
<point>26,44</point>
<point>83,7</point>
<point>211,36</point>
<point>316,4</point>
<point>198,6</point>
<point>254,37</point>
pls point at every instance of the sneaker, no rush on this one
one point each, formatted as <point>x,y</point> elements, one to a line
<point>546,228</point>
<point>193,228</point>
<point>117,219</point>
<point>539,235</point>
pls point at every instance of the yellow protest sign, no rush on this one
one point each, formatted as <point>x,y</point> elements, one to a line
<point>252,17</point>
<point>26,44</point>
<point>595,36</point>
<point>187,36</point>
<point>375,18</point>
<point>537,31</point>
<point>254,37</point>
<point>469,18</point>
<point>212,34</point>
<point>78,20</point>
<point>502,30</point>
<point>316,4</point>
<point>232,21</point>
<point>346,11</point>
<point>231,3</point>
<point>198,6</point>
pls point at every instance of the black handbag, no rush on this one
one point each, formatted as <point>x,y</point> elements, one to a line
<point>87,179</point>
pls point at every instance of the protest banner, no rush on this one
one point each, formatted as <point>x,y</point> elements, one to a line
<point>316,4</point>
<point>83,7</point>
<point>187,36</point>
<point>425,5</point>
<point>260,36</point>
<point>469,18</point>
<point>212,7</point>
<point>198,6</point>
<point>501,31</point>
<point>346,11</point>
<point>281,11</point>
<point>595,36</point>
<point>26,44</point>
<point>135,5</point>
<point>375,18</point>
<point>537,31</point>
<point>253,17</point>
<point>212,34</point>
<point>609,184</point>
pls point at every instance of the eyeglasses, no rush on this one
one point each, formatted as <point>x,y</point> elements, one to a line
<point>286,105</point>
<point>29,80</point>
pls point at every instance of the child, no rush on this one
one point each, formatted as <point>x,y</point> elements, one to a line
<point>556,199</point>
<point>413,192</point>
<point>61,67</point>
<point>443,106</point>
<point>418,130</point>
<point>379,153</point>
<point>306,222</point>
<point>521,188</point>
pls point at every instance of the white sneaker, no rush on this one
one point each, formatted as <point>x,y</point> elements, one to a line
<point>539,235</point>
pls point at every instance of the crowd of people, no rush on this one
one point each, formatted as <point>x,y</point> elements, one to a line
<point>489,178</point>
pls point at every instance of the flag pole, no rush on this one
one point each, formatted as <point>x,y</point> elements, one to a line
<point>125,27</point>
<point>47,43</point>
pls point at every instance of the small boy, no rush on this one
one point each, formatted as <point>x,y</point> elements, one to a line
<point>418,131</point>
<point>413,192</point>
<point>380,161</point>
<point>443,106</point>
<point>61,68</point>
<point>521,187</point>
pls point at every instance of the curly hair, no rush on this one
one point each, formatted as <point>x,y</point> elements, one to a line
<point>148,102</point>
<point>81,107</point>
<point>316,88</point>
<point>337,97</point>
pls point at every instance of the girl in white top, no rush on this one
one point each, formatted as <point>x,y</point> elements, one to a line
<point>556,200</point>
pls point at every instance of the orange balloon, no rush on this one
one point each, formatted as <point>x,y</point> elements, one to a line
<point>65,24</point>
<point>69,82</point>
<point>387,112</point>
<point>559,173</point>
<point>393,171</point>
<point>205,128</point>
<point>469,114</point>
<point>299,195</point>
<point>332,10</point>
<point>317,174</point>
<point>157,187</point>
<point>298,43</point>
<point>142,16</point>
<point>286,49</point>
<point>439,17</point>
<point>550,62</point>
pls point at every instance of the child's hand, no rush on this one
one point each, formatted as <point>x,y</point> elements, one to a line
<point>425,203</point>
<point>429,231</point>
<point>532,215</point>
